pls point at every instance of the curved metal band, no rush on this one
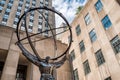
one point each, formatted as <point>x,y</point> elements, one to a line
<point>49,9</point>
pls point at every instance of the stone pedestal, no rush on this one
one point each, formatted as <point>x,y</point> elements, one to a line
<point>10,67</point>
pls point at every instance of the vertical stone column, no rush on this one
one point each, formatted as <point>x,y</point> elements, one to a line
<point>10,67</point>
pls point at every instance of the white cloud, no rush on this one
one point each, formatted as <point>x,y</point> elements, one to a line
<point>68,9</point>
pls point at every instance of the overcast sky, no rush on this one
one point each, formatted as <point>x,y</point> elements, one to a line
<point>67,8</point>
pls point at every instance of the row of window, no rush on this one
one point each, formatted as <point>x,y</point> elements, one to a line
<point>105,21</point>
<point>115,42</point>
<point>76,76</point>
<point>7,12</point>
<point>2,3</point>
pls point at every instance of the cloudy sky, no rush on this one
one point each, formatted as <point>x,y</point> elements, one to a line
<point>67,8</point>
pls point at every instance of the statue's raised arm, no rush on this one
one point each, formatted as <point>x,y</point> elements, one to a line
<point>60,63</point>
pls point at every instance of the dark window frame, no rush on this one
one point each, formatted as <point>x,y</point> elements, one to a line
<point>82,46</point>
<point>99,57</point>
<point>94,36</point>
<point>100,7</point>
<point>115,42</point>
<point>86,20</point>
<point>72,55</point>
<point>78,30</point>
<point>75,74</point>
<point>105,23</point>
<point>86,66</point>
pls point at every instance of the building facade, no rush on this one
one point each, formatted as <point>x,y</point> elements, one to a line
<point>13,65</point>
<point>11,10</point>
<point>95,52</point>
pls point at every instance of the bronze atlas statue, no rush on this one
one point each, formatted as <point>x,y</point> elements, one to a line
<point>48,64</point>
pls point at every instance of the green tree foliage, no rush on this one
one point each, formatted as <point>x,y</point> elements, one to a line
<point>79,9</point>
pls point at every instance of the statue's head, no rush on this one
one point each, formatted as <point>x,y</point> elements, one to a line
<point>47,59</point>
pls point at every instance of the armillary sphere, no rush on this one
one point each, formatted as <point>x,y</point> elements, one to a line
<point>28,36</point>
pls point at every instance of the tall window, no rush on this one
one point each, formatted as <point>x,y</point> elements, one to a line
<point>75,73</point>
<point>21,72</point>
<point>4,20</point>
<point>109,78</point>
<point>93,35</point>
<point>86,67</point>
<point>106,22</point>
<point>78,30</point>
<point>2,3</point>
<point>69,39</point>
<point>82,47</point>
<point>98,6</point>
<point>39,30</point>
<point>99,57</point>
<point>115,42</point>
<point>72,55</point>
<point>87,19</point>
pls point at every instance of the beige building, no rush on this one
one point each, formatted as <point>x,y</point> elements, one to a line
<point>14,66</point>
<point>95,52</point>
<point>11,10</point>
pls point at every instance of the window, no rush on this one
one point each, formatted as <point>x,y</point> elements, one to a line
<point>106,22</point>
<point>31,20</point>
<point>18,10</point>
<point>17,16</point>
<point>46,24</point>
<point>93,35</point>
<point>4,19</point>
<point>72,55</point>
<point>115,42</point>
<point>46,31</point>
<point>40,23</point>
<point>30,27</point>
<point>6,13</point>
<point>21,0</point>
<point>109,78</point>
<point>87,19</point>
<point>69,39</point>
<point>33,4</point>
<point>75,73</point>
<point>27,2</point>
<point>78,30</point>
<point>40,17</point>
<point>32,14</point>
<point>21,72</point>
<point>118,1</point>
<point>2,3</point>
<point>39,30</point>
<point>1,9</point>
<point>7,10</point>
<point>82,47</point>
<point>11,1</point>
<point>9,7</point>
<point>16,19</point>
<point>20,5</point>
<point>15,22</point>
<point>86,67</point>
<point>46,0</point>
<point>98,6</point>
<point>99,57</point>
